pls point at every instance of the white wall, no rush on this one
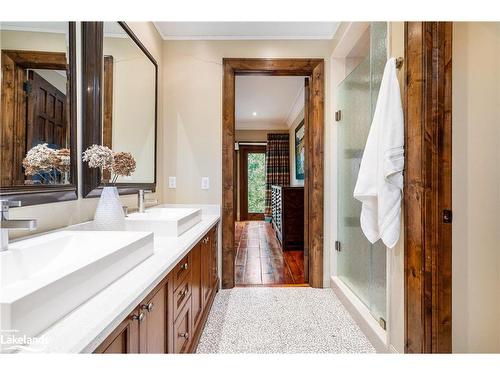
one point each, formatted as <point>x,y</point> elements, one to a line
<point>193,113</point>
<point>395,256</point>
<point>33,41</point>
<point>57,215</point>
<point>133,124</point>
<point>476,187</point>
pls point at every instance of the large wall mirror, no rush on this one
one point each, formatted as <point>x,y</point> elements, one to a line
<point>120,104</point>
<point>38,96</point>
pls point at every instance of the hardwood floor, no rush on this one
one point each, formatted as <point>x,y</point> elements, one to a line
<point>260,260</point>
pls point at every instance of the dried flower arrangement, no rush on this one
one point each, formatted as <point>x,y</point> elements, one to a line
<point>123,164</point>
<point>45,162</point>
<point>102,157</point>
<point>63,160</point>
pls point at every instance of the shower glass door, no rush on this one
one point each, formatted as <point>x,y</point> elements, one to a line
<point>360,265</point>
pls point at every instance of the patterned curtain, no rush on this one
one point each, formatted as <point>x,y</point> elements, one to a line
<point>277,165</point>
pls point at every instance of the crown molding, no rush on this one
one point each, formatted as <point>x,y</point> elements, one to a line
<point>327,36</point>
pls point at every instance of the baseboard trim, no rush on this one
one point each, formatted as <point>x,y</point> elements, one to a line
<point>368,325</point>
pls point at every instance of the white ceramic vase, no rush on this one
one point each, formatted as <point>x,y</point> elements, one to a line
<point>109,213</point>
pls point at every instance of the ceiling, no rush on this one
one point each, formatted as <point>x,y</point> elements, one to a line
<point>267,102</point>
<point>246,30</point>
<point>111,29</point>
<point>47,27</point>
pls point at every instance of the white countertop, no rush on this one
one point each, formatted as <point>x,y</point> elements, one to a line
<point>82,330</point>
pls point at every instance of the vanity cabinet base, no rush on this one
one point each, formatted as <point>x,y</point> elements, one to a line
<point>171,318</point>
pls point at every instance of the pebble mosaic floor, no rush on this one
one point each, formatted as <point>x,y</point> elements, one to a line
<point>281,320</point>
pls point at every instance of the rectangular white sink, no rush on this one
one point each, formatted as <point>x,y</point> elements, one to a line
<point>44,278</point>
<point>170,222</point>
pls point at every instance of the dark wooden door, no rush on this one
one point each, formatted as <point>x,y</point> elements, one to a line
<point>153,328</point>
<point>196,286</point>
<point>246,211</point>
<point>46,113</point>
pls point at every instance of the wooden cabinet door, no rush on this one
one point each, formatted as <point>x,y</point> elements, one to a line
<point>196,286</point>
<point>125,338</point>
<point>153,329</point>
<point>214,261</point>
<point>206,266</point>
<point>183,330</point>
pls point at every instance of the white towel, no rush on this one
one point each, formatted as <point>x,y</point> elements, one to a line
<point>380,180</point>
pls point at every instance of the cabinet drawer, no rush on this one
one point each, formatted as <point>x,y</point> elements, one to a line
<point>181,271</point>
<point>182,330</point>
<point>181,295</point>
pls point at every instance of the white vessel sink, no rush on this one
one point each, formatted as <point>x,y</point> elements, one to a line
<point>44,278</point>
<point>171,222</point>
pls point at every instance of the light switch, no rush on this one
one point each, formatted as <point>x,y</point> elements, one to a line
<point>172,182</point>
<point>205,183</point>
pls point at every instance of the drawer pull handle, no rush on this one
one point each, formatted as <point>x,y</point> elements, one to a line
<point>205,240</point>
<point>139,317</point>
<point>185,266</point>
<point>148,307</point>
<point>184,334</point>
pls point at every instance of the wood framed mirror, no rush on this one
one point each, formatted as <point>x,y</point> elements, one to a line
<point>38,132</point>
<point>120,96</point>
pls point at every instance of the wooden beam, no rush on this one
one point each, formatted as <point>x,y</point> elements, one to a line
<point>39,59</point>
<point>228,178</point>
<point>427,190</point>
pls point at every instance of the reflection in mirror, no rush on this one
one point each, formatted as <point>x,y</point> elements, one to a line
<point>128,103</point>
<point>36,144</point>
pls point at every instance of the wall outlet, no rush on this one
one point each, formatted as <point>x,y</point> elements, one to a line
<point>172,182</point>
<point>205,183</point>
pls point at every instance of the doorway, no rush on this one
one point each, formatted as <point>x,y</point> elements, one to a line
<point>252,182</point>
<point>269,231</point>
<point>36,83</point>
<point>313,169</point>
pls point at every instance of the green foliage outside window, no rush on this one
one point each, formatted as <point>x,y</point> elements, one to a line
<point>256,182</point>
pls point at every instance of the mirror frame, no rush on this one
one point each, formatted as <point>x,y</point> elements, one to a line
<point>92,77</point>
<point>31,194</point>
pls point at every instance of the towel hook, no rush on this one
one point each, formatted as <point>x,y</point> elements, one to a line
<point>399,62</point>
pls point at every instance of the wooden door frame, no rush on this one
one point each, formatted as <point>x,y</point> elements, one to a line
<point>314,174</point>
<point>243,178</point>
<point>427,192</point>
<point>30,194</point>
<point>18,61</point>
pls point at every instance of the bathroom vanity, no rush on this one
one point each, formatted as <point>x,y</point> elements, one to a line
<point>171,318</point>
<point>146,289</point>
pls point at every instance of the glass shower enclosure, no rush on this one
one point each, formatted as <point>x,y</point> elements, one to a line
<point>360,265</point>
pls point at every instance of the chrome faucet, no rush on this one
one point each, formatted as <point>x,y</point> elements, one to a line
<point>6,224</point>
<point>141,202</point>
